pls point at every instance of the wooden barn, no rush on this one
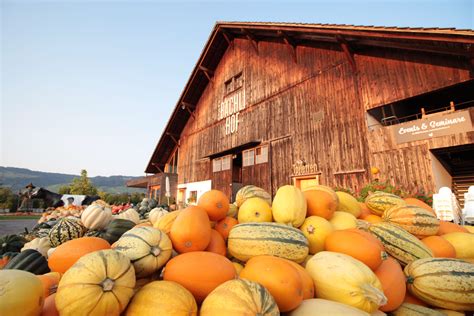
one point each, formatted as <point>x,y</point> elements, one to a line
<point>286,103</point>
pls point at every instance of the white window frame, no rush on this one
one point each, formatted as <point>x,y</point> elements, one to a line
<point>248,157</point>
<point>216,165</point>
<point>263,156</point>
<point>225,162</point>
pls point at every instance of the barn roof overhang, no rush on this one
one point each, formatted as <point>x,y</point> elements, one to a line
<point>349,38</point>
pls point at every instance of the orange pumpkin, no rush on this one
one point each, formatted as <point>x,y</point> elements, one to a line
<point>372,218</point>
<point>364,210</point>
<point>440,247</point>
<point>279,277</point>
<point>308,283</point>
<point>320,203</point>
<point>199,272</point>
<point>215,203</point>
<point>413,299</point>
<point>217,244</point>
<point>69,252</point>
<point>49,307</point>
<point>390,274</point>
<point>448,227</point>
<point>224,226</point>
<point>50,282</point>
<point>358,244</point>
<point>191,231</point>
<point>420,203</point>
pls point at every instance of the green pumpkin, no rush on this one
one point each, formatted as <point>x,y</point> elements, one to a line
<point>11,243</point>
<point>29,260</point>
<point>116,228</point>
<point>65,229</point>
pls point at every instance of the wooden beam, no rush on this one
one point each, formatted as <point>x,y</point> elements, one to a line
<point>156,166</point>
<point>191,113</point>
<point>290,42</point>
<point>347,51</point>
<point>187,105</point>
<point>207,72</point>
<point>174,138</point>
<point>228,38</point>
<point>251,38</point>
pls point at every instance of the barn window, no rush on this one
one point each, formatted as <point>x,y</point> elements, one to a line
<point>261,154</point>
<point>248,158</point>
<point>225,163</point>
<point>234,83</point>
<point>216,165</point>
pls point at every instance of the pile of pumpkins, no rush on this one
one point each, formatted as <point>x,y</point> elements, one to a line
<point>317,252</point>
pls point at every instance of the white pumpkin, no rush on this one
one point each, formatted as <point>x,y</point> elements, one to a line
<point>96,216</point>
<point>41,245</point>
<point>129,214</point>
<point>155,214</point>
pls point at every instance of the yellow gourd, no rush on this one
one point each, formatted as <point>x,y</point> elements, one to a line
<point>341,278</point>
<point>318,306</point>
<point>343,220</point>
<point>162,298</point>
<point>348,204</point>
<point>316,229</point>
<point>21,293</point>
<point>255,210</point>
<point>289,206</point>
<point>463,243</point>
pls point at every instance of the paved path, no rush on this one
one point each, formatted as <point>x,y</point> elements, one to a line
<point>16,226</point>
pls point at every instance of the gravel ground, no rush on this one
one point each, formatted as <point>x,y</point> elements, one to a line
<point>16,226</point>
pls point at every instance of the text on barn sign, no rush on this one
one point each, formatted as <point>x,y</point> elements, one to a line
<point>229,110</point>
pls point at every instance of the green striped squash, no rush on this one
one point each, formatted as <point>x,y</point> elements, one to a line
<point>407,309</point>
<point>250,191</point>
<point>379,202</point>
<point>64,230</point>
<point>413,219</point>
<point>399,243</point>
<point>442,282</point>
<point>248,240</point>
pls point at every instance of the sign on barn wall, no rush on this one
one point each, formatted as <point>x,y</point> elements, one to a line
<point>229,110</point>
<point>436,125</point>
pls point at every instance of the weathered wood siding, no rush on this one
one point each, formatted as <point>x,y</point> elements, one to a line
<point>315,110</point>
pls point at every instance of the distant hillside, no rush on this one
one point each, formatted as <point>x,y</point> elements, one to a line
<point>17,178</point>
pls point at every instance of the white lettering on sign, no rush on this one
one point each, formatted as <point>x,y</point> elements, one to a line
<point>229,109</point>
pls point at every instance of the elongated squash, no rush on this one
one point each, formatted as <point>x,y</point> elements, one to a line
<point>289,206</point>
<point>399,243</point>
<point>413,219</point>
<point>442,282</point>
<point>248,240</point>
<point>319,306</point>
<point>407,309</point>
<point>250,191</point>
<point>379,202</point>
<point>341,278</point>
<point>463,243</point>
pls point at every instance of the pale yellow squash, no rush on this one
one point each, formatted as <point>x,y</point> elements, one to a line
<point>463,243</point>
<point>470,228</point>
<point>21,293</point>
<point>343,220</point>
<point>100,283</point>
<point>316,229</point>
<point>164,223</point>
<point>289,206</point>
<point>162,298</point>
<point>348,204</point>
<point>239,298</point>
<point>322,307</point>
<point>341,278</point>
<point>255,210</point>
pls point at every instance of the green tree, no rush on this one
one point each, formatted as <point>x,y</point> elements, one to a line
<point>8,200</point>
<point>64,189</point>
<point>83,185</point>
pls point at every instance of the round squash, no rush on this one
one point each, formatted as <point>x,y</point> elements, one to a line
<point>341,278</point>
<point>162,298</point>
<point>343,220</point>
<point>289,206</point>
<point>29,260</point>
<point>200,272</point>
<point>215,203</point>
<point>239,298</point>
<point>64,230</point>
<point>322,203</point>
<point>442,282</point>
<point>147,248</point>
<point>96,216</point>
<point>164,223</point>
<point>448,227</point>
<point>67,254</point>
<point>99,283</point>
<point>322,307</point>
<point>255,210</point>
<point>129,214</point>
<point>217,244</point>
<point>116,228</point>
<point>11,243</point>
<point>21,293</point>
<point>224,226</point>
<point>348,204</point>
<point>251,191</point>
<point>316,229</point>
<point>155,214</point>
<point>390,275</point>
<point>191,231</point>
<point>41,245</point>
<point>358,244</point>
<point>463,243</point>
<point>279,277</point>
<point>415,220</point>
<point>440,247</point>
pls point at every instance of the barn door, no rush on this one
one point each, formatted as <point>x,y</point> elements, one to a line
<point>222,175</point>
<point>281,153</point>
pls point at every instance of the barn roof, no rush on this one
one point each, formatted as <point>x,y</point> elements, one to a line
<point>449,41</point>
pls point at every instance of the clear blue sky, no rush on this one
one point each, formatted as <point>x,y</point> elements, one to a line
<point>89,84</point>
